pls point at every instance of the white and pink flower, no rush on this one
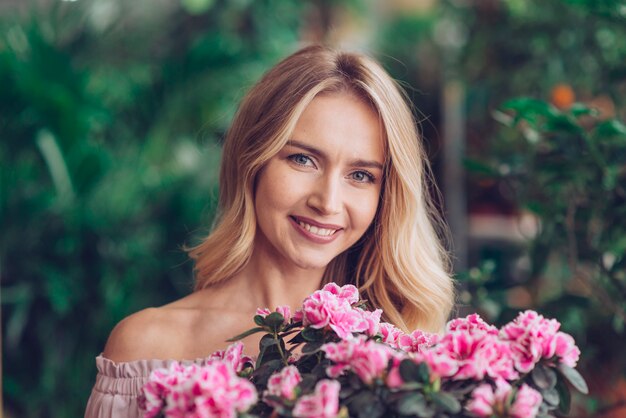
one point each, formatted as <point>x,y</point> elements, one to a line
<point>390,334</point>
<point>504,401</point>
<point>233,355</point>
<point>283,384</point>
<point>366,358</point>
<point>471,324</point>
<point>533,337</point>
<point>209,391</point>
<point>332,307</point>
<point>417,341</point>
<point>322,403</point>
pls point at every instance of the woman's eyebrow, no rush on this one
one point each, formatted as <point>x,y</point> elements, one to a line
<point>320,153</point>
<point>306,147</point>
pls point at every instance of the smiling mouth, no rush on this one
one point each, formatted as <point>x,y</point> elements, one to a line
<point>316,230</point>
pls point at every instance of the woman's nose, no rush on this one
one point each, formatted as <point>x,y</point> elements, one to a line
<point>325,197</point>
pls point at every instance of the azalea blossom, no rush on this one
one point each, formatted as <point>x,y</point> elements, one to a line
<point>390,334</point>
<point>323,403</point>
<point>233,355</point>
<point>533,337</point>
<point>471,324</point>
<point>366,358</point>
<point>485,402</point>
<point>283,384</point>
<point>332,307</point>
<point>372,318</point>
<point>462,355</point>
<point>348,292</point>
<point>416,341</point>
<point>210,391</point>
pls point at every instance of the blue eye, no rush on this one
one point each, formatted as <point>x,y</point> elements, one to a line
<point>363,177</point>
<point>300,159</point>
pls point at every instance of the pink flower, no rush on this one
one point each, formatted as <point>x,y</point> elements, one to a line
<point>526,404</point>
<point>333,309</point>
<point>298,315</point>
<point>440,363</point>
<point>372,319</point>
<point>416,341</point>
<point>220,393</point>
<point>564,348</point>
<point>323,403</point>
<point>284,310</point>
<point>533,337</point>
<point>477,354</point>
<point>485,402</point>
<point>213,390</point>
<point>347,292</point>
<point>482,402</point>
<point>366,358</point>
<point>233,355</point>
<point>470,324</point>
<point>390,334</point>
<point>263,312</point>
<point>283,384</point>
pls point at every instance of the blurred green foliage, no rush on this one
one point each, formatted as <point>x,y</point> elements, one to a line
<point>110,119</point>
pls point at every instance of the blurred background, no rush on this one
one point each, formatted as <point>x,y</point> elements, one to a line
<point>112,113</point>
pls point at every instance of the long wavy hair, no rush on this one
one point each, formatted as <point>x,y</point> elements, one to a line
<point>400,264</point>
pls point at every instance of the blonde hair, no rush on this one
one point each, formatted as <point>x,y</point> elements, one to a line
<point>400,264</point>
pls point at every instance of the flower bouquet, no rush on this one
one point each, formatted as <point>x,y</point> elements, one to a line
<point>333,358</point>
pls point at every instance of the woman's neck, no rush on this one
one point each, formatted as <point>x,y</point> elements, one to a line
<point>268,284</point>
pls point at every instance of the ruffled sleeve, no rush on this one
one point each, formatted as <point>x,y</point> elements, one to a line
<point>118,387</point>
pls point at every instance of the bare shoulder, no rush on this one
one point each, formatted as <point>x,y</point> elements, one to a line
<point>186,329</point>
<point>140,336</point>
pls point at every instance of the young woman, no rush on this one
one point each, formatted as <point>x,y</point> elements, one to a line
<point>323,178</point>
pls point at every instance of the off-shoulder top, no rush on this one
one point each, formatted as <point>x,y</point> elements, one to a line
<point>118,386</point>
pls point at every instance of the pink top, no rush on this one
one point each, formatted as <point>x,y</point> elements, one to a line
<point>118,386</point>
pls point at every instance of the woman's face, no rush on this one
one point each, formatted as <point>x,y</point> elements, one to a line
<point>319,194</point>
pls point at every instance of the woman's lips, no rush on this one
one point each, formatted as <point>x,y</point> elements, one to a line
<point>315,231</point>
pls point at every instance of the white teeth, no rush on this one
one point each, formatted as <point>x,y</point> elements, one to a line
<point>317,231</point>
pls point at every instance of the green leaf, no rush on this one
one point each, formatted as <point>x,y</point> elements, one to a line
<point>409,371</point>
<point>423,373</point>
<point>414,403</point>
<point>274,320</point>
<point>312,347</point>
<point>563,123</point>
<point>366,405</point>
<point>611,127</point>
<point>245,334</point>
<point>529,105</point>
<point>580,109</point>
<point>530,110</point>
<point>550,396</point>
<point>265,370</point>
<point>574,378</point>
<point>565,397</point>
<point>312,334</point>
<point>544,377</point>
<point>447,402</point>
<point>268,340</point>
<point>259,320</point>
